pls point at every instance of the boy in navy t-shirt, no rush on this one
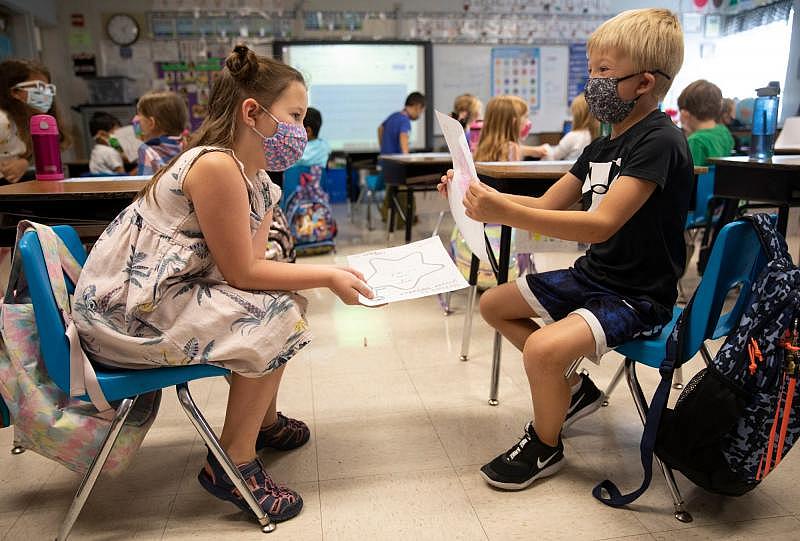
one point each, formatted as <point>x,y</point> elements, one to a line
<point>393,132</point>
<point>393,136</point>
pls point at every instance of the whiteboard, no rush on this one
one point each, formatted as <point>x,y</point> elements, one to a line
<point>460,69</point>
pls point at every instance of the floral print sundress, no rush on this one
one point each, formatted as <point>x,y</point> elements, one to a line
<point>151,294</point>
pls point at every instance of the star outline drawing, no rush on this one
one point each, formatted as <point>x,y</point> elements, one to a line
<point>420,267</point>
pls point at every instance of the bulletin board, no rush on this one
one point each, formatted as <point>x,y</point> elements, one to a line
<point>460,69</point>
<point>193,81</point>
<point>516,71</point>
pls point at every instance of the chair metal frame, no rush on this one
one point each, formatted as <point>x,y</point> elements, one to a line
<point>124,386</point>
<point>736,259</point>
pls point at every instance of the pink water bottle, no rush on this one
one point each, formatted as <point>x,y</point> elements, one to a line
<point>46,151</point>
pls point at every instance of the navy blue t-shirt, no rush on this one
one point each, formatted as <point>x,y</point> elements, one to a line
<point>393,126</point>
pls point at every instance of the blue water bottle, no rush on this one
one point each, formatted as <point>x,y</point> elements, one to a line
<point>765,120</point>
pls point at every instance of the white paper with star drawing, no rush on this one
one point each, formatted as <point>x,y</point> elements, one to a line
<point>463,173</point>
<point>411,271</point>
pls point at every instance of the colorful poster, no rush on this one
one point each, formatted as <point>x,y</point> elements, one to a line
<point>193,81</point>
<point>578,70</point>
<point>515,70</point>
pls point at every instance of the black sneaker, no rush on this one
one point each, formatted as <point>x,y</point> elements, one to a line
<point>585,401</point>
<point>527,461</point>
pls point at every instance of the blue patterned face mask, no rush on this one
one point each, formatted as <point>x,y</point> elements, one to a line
<point>604,101</point>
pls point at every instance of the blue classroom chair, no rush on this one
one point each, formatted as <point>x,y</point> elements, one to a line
<point>736,260</point>
<point>704,193</point>
<point>122,386</point>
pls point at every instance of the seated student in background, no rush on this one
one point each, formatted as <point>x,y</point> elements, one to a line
<point>393,132</point>
<point>163,119</point>
<point>585,129</point>
<point>505,117</point>
<point>700,106</point>
<point>728,116</point>
<point>25,90</point>
<point>467,110</point>
<point>636,184</point>
<point>317,149</point>
<point>734,124</point>
<point>106,155</point>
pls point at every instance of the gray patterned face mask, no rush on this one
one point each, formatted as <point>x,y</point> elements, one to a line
<point>604,101</point>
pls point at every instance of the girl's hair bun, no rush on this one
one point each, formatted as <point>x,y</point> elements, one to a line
<point>242,63</point>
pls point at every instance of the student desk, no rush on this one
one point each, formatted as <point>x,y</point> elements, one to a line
<point>775,182</point>
<point>411,172</point>
<point>88,204</point>
<point>518,178</point>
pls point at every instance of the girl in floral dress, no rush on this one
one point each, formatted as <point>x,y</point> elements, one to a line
<point>179,276</point>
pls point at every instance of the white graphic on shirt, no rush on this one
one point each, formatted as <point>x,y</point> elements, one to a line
<point>598,179</point>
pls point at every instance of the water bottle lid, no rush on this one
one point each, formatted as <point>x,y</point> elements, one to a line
<point>43,125</point>
<point>771,90</point>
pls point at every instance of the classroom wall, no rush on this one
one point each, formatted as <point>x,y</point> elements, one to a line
<point>73,90</point>
<point>791,93</point>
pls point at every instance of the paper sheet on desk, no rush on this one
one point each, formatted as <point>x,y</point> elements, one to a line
<point>464,169</point>
<point>411,271</point>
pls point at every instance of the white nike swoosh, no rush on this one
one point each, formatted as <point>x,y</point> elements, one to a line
<point>575,405</point>
<point>540,464</point>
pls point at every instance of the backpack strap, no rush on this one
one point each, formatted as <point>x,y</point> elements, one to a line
<point>772,241</point>
<point>674,358</point>
<point>59,261</point>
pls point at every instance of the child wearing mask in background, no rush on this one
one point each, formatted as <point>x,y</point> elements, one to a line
<point>25,90</point>
<point>162,119</point>
<point>106,155</point>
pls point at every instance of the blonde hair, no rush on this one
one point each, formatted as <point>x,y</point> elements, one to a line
<point>652,38</point>
<point>167,109</point>
<point>469,104</point>
<point>582,119</point>
<point>501,126</point>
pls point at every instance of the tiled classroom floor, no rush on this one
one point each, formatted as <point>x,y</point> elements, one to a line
<point>400,428</point>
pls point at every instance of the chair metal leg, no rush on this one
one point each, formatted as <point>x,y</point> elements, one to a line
<point>465,334</point>
<point>677,378</point>
<point>90,478</point>
<point>641,406</point>
<point>614,382</point>
<point>496,351</point>
<point>444,302</point>
<point>370,201</point>
<point>438,223</point>
<point>210,439</point>
<point>707,358</point>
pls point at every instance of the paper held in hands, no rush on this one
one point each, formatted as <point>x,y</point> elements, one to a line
<point>411,271</point>
<point>464,173</point>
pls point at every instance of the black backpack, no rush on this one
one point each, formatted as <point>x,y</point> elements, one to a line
<point>737,418</point>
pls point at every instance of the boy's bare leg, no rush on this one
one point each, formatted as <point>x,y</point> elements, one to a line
<point>547,354</point>
<point>504,308</point>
